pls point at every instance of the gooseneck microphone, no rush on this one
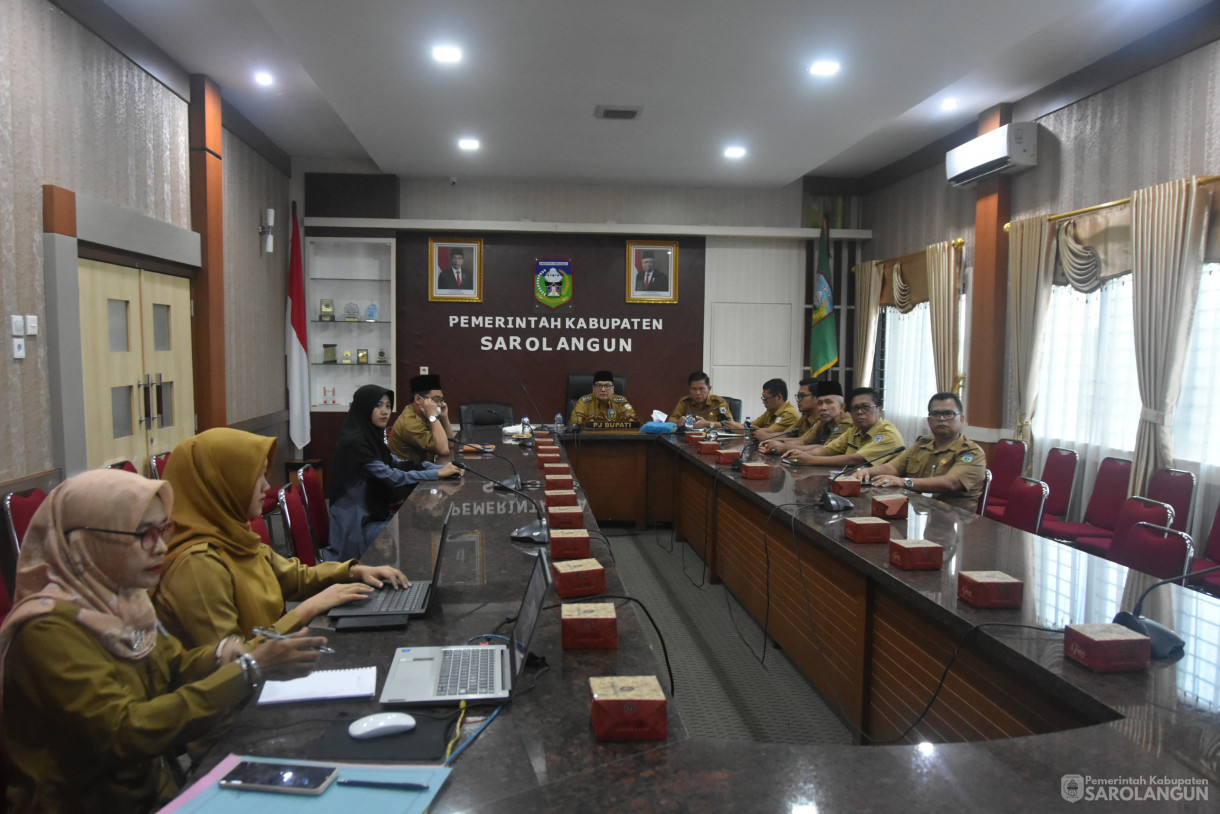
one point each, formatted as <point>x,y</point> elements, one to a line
<point>537,410</point>
<point>1165,643</point>
<point>837,503</point>
<point>532,532</point>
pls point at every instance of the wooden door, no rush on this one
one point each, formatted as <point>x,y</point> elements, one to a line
<point>166,303</point>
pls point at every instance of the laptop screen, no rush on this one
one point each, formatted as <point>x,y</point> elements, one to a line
<point>527,618</point>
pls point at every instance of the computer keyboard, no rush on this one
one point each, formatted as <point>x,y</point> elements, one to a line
<point>467,671</point>
<point>391,600</point>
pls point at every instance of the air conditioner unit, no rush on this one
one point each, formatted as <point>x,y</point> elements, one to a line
<point>1007,149</point>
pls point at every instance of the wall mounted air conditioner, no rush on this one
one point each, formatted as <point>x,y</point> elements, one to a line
<point>1007,149</point>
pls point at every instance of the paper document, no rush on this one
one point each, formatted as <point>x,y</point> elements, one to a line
<point>358,682</point>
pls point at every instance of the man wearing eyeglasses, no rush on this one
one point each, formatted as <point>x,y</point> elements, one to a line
<point>602,404</point>
<point>422,431</point>
<point>948,465</point>
<point>822,417</point>
<point>780,415</point>
<point>871,436</point>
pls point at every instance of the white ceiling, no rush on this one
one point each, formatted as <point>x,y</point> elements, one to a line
<point>355,78</point>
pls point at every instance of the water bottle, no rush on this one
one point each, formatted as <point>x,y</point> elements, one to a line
<point>526,430</point>
<point>690,422</point>
<point>558,422</point>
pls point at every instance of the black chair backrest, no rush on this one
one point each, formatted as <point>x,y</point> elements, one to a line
<point>581,384</point>
<point>734,407</point>
<point>476,413</point>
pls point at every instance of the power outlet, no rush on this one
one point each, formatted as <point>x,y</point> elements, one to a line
<point>18,347</point>
<point>423,371</point>
<point>31,325</point>
<point>17,323</point>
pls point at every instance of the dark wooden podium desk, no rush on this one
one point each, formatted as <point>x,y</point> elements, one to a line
<point>872,639</point>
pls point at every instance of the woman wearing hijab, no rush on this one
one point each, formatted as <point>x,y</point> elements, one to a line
<point>364,474</point>
<point>94,691</point>
<point>219,578</point>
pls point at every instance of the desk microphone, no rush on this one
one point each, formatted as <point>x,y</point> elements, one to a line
<point>509,483</point>
<point>532,532</point>
<point>745,447</point>
<point>1165,643</point>
<point>837,503</point>
<point>537,410</point>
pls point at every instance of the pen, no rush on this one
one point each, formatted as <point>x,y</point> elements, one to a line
<point>383,784</point>
<point>268,633</point>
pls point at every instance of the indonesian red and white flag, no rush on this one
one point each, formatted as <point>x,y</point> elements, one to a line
<point>295,343</point>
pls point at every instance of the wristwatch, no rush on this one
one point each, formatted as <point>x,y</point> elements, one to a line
<point>431,419</point>
<point>907,483</point>
<point>250,669</point>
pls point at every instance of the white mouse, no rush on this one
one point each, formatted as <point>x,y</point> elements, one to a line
<point>380,724</point>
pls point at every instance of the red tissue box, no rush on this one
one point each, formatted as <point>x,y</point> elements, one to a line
<point>628,708</point>
<point>709,447</point>
<point>565,517</point>
<point>989,589</point>
<point>556,468</point>
<point>1107,648</point>
<point>695,437</point>
<point>569,544</point>
<point>560,497</point>
<point>553,482</point>
<point>545,458</point>
<point>917,555</point>
<point>756,470</point>
<point>890,506</point>
<point>578,577</point>
<point>727,456</point>
<point>866,530</point>
<point>589,626</point>
<point>848,487</point>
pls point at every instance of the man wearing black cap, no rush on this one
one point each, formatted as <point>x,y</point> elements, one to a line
<point>602,404</point>
<point>422,431</point>
<point>648,278</point>
<point>822,417</point>
<point>454,276</point>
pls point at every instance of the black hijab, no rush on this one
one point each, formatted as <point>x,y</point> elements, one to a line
<point>359,443</point>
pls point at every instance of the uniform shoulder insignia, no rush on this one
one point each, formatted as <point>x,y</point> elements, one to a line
<point>879,437</point>
<point>586,399</point>
<point>968,457</point>
<point>626,405</point>
<point>618,399</point>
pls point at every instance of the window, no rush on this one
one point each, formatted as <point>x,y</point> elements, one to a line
<point>910,371</point>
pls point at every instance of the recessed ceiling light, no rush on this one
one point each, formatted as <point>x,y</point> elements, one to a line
<point>447,53</point>
<point>468,143</point>
<point>949,104</point>
<point>264,78</point>
<point>734,152</point>
<point>824,67</point>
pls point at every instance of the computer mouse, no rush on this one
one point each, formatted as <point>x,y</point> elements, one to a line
<point>380,724</point>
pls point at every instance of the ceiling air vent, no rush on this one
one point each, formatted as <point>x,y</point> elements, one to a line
<point>616,112</point>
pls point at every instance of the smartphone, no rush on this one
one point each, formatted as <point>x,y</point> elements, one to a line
<point>288,778</point>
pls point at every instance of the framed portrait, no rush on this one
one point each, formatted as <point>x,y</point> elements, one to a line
<point>455,270</point>
<point>652,272</point>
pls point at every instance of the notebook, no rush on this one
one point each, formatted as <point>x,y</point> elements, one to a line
<point>321,685</point>
<point>439,675</point>
<point>413,601</point>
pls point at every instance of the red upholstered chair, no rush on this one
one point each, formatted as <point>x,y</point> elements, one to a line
<point>126,466</point>
<point>1024,507</point>
<point>1210,558</point>
<point>1156,550</point>
<point>156,465</point>
<point>1059,475</point>
<point>297,523</point>
<point>315,504</point>
<point>19,508</point>
<point>986,491</point>
<point>1109,492</point>
<point>259,526</point>
<point>1177,488</point>
<point>1134,510</point>
<point>1006,463</point>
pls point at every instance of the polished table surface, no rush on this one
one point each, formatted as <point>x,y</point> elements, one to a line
<point>540,754</point>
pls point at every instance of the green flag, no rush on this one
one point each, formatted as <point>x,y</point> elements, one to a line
<point>823,338</point>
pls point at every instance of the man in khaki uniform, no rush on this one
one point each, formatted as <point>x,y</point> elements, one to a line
<point>948,465</point>
<point>422,431</point>
<point>602,404</point>
<point>709,410</point>
<point>822,417</point>
<point>780,416</point>
<point>870,436</point>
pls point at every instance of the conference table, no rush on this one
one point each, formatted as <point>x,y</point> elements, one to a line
<point>1012,724</point>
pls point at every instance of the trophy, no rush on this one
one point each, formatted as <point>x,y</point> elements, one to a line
<point>382,358</point>
<point>347,357</point>
<point>328,354</point>
<point>351,312</point>
<point>328,311</point>
<point>370,313</point>
<point>362,356</point>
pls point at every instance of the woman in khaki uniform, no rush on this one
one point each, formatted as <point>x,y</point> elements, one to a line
<point>94,691</point>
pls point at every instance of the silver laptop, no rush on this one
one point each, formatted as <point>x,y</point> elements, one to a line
<point>439,675</point>
<point>413,601</point>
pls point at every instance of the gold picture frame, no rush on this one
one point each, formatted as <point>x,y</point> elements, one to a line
<point>652,272</point>
<point>450,280</point>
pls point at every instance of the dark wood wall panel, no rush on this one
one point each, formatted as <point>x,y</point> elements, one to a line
<point>693,511</point>
<point>615,478</point>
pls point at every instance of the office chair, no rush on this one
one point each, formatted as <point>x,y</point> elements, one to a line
<point>315,504</point>
<point>1156,550</point>
<point>1026,500</point>
<point>1177,488</point>
<point>1110,490</point>
<point>297,523</point>
<point>1134,510</point>
<point>490,413</point>
<point>1007,463</point>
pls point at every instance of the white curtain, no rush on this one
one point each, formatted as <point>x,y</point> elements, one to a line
<point>943,290</point>
<point>1031,268</point>
<point>1196,432</point>
<point>868,307</point>
<point>1168,229</point>
<point>910,377</point>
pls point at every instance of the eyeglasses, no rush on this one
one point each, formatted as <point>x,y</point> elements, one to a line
<point>148,537</point>
<point>765,399</point>
<point>862,408</point>
<point>800,395</point>
<point>945,414</point>
<point>602,385</point>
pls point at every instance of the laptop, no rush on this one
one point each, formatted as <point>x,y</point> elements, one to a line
<point>472,673</point>
<point>391,602</point>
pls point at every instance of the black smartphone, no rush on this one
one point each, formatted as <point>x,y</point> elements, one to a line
<point>287,778</point>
